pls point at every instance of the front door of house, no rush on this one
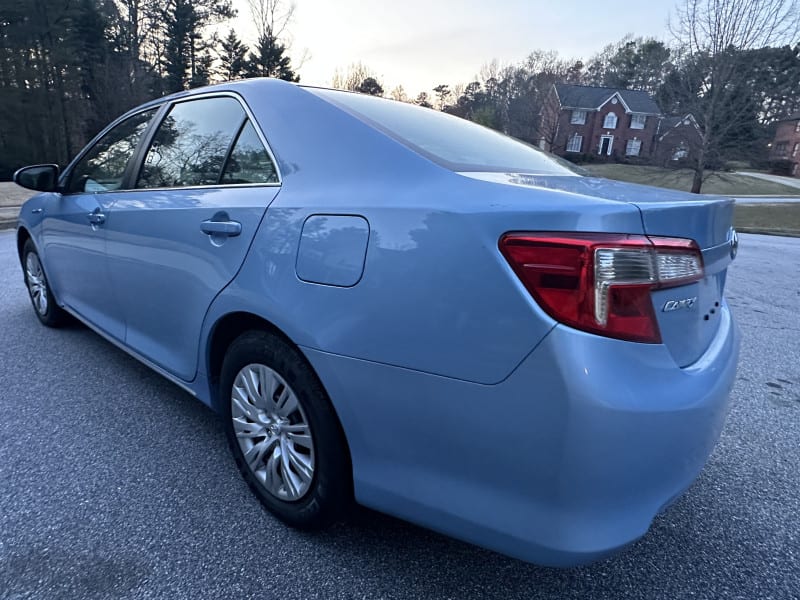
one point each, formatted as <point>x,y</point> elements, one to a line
<point>605,144</point>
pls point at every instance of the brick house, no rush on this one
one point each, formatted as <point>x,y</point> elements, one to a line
<point>678,139</point>
<point>786,143</point>
<point>606,122</point>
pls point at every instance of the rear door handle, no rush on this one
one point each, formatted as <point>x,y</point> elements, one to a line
<point>229,228</point>
<point>96,217</point>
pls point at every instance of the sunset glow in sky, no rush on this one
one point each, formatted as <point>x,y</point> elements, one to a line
<point>422,43</point>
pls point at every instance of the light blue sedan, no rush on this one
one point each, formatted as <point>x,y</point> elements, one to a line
<point>395,306</point>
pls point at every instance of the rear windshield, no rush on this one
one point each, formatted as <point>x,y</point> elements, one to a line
<point>452,142</point>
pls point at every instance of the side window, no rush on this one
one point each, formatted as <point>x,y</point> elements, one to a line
<point>191,143</point>
<point>103,167</point>
<point>249,161</point>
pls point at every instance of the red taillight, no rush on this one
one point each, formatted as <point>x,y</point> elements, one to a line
<point>601,282</point>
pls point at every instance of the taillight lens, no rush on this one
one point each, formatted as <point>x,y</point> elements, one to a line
<point>601,282</point>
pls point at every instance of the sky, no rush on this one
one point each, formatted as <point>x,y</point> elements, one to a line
<point>421,43</point>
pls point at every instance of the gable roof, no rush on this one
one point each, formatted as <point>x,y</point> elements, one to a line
<point>591,98</point>
<point>668,123</point>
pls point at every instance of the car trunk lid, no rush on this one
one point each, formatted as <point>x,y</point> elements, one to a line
<point>688,315</point>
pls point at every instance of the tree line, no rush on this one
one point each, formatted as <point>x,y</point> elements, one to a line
<point>68,67</point>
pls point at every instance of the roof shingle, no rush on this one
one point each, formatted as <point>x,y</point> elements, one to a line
<point>590,98</point>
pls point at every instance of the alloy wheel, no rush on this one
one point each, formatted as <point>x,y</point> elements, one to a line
<point>273,432</point>
<point>37,284</point>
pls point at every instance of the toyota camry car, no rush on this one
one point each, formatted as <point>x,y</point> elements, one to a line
<point>393,306</point>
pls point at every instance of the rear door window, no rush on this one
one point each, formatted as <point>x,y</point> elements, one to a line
<point>191,143</point>
<point>249,161</point>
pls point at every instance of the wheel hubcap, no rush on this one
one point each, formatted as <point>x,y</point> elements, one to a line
<point>37,286</point>
<point>273,432</point>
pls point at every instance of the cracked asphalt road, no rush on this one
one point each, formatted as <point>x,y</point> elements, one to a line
<point>116,484</point>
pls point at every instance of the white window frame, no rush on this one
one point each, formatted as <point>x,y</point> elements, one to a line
<point>578,117</point>
<point>573,141</point>
<point>796,149</point>
<point>607,120</point>
<point>797,127</point>
<point>631,144</point>
<point>638,121</point>
<point>680,152</point>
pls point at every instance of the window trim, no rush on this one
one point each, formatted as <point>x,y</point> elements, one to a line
<point>605,120</point>
<point>574,136</point>
<point>638,116</point>
<point>150,134</point>
<point>636,141</point>
<point>572,120</point>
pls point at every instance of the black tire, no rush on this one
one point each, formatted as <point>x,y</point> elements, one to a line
<point>52,315</point>
<point>329,495</point>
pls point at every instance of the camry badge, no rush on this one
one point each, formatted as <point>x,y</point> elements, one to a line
<point>671,305</point>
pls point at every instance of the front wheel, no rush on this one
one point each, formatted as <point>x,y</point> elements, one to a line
<point>44,303</point>
<point>283,432</point>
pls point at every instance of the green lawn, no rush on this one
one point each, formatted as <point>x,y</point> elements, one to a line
<point>779,219</point>
<point>719,182</point>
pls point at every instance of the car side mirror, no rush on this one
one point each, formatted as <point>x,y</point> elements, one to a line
<point>41,178</point>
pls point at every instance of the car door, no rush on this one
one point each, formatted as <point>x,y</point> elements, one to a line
<point>73,227</point>
<point>181,235</point>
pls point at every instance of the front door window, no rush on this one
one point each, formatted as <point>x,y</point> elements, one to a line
<point>103,167</point>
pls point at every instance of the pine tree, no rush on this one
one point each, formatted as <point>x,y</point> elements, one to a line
<point>269,59</point>
<point>232,57</point>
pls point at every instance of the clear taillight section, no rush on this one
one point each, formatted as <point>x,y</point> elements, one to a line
<point>602,283</point>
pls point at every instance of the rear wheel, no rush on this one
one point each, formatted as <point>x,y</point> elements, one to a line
<point>44,304</point>
<point>283,432</point>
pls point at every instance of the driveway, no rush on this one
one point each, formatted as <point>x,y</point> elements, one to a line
<point>790,181</point>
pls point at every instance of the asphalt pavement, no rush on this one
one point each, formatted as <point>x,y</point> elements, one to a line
<point>116,484</point>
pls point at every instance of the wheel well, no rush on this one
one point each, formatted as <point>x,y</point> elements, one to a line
<point>22,237</point>
<point>225,331</point>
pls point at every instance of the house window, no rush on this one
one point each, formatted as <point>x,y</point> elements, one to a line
<point>610,122</point>
<point>578,117</point>
<point>795,150</point>
<point>638,121</point>
<point>797,127</point>
<point>781,148</point>
<point>633,147</point>
<point>680,152</point>
<point>574,144</point>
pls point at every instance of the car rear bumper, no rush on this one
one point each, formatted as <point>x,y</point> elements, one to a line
<point>565,461</point>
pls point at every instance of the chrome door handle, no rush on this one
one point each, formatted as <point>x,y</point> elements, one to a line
<point>96,217</point>
<point>229,228</point>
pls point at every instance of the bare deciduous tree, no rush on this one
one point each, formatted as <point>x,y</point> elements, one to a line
<point>713,36</point>
<point>353,77</point>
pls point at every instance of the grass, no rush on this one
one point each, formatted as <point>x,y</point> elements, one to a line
<point>778,219</point>
<point>718,182</point>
